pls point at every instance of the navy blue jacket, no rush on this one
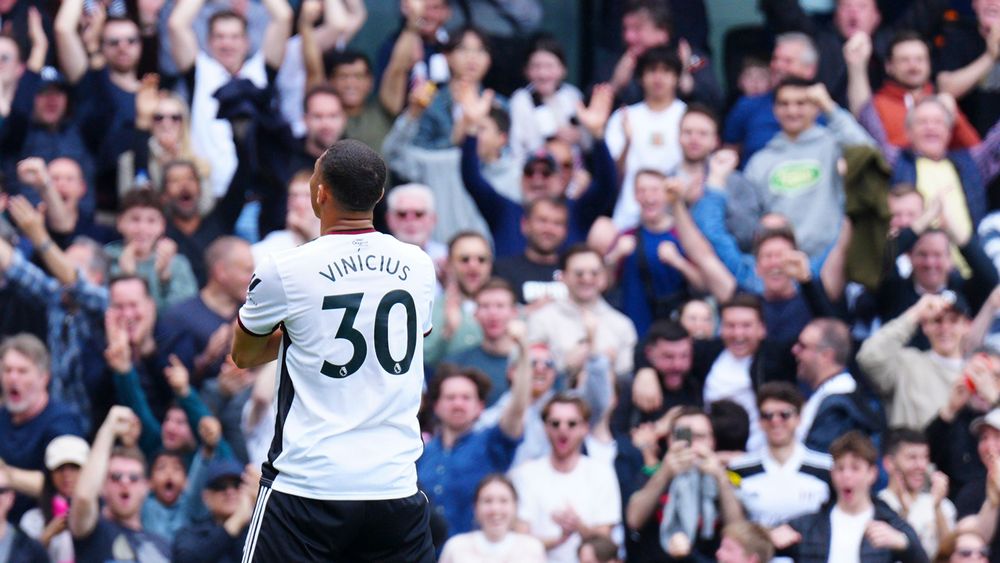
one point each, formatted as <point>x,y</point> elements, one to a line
<point>816,535</point>
<point>208,542</point>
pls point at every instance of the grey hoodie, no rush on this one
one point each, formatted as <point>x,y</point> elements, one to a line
<point>800,180</point>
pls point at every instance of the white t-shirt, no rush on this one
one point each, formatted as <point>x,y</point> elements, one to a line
<point>354,307</point>
<point>591,489</point>
<point>846,533</point>
<point>212,138</point>
<point>654,145</point>
<point>729,378</point>
<point>922,517</point>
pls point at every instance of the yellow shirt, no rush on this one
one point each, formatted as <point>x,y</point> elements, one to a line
<point>940,177</point>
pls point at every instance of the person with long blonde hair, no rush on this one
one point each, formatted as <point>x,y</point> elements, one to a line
<point>162,134</point>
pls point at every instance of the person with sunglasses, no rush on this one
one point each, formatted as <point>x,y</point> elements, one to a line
<point>785,479</point>
<point>963,546</point>
<point>567,497</point>
<point>412,218</point>
<point>229,493</point>
<point>118,475</point>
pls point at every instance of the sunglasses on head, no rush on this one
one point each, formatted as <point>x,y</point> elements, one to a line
<point>175,117</point>
<point>783,415</point>
<point>119,476</point>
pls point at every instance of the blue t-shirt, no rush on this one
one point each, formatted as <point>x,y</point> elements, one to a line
<point>186,330</point>
<point>111,542</point>
<point>666,279</point>
<point>23,445</point>
<point>450,476</point>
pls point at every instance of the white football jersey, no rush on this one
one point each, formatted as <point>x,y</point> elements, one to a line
<point>354,307</point>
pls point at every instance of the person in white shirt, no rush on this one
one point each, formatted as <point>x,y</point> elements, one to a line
<point>228,58</point>
<point>345,315</point>
<point>856,527</point>
<point>495,541</point>
<point>645,135</point>
<point>784,480</point>
<point>916,490</point>
<point>567,497</point>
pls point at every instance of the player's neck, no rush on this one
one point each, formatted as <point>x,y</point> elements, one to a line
<point>335,222</point>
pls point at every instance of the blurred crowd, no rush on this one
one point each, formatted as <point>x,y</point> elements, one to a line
<point>675,322</point>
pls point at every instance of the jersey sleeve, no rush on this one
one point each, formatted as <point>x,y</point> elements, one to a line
<point>429,301</point>
<point>266,305</point>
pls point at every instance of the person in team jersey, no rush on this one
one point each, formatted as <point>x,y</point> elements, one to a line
<point>340,480</point>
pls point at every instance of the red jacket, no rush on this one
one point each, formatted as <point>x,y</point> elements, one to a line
<point>892,101</point>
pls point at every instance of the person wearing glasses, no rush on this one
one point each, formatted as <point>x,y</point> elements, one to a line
<point>963,546</point>
<point>822,353</point>
<point>566,496</point>
<point>230,493</point>
<point>412,217</point>
<point>467,269</point>
<point>118,476</point>
<point>785,479</point>
<point>566,324</point>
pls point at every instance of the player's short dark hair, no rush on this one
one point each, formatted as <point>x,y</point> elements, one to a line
<point>905,36</point>
<point>743,300</point>
<point>792,82</point>
<point>696,108</point>
<point>226,15</point>
<point>500,117</point>
<point>354,174</point>
<point>567,398</point>
<point>318,90</point>
<point>455,39</point>
<point>576,250</point>
<point>767,234</point>
<point>856,443</point>
<point>549,200</point>
<point>140,197</point>
<point>900,436</point>
<point>131,452</point>
<point>730,424</point>
<point>666,329</point>
<point>446,371</point>
<point>349,57</point>
<point>497,284</point>
<point>657,10</point>
<point>656,57</point>
<point>780,391</point>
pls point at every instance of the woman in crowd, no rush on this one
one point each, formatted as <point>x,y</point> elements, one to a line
<point>496,540</point>
<point>64,456</point>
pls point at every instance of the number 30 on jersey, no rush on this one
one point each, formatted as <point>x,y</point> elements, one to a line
<point>351,303</point>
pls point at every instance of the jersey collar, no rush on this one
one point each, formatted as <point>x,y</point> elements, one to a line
<point>350,231</point>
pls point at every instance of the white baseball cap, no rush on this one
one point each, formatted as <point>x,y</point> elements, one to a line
<point>66,449</point>
<point>991,418</point>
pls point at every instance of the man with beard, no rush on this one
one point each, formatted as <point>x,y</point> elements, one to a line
<point>29,419</point>
<point>567,497</point>
<point>533,274</point>
<point>460,454</point>
<point>119,475</point>
<point>468,268</point>
<point>192,231</point>
<point>908,71</point>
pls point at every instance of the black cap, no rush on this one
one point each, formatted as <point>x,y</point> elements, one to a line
<point>52,78</point>
<point>543,156</point>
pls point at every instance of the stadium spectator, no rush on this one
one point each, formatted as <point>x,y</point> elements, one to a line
<point>229,494</point>
<point>534,274</point>
<point>744,542</point>
<point>19,545</point>
<point>411,215</point>
<point>64,456</point>
<point>967,64</point>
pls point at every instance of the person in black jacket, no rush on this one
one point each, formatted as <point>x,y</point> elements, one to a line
<point>859,521</point>
<point>230,493</point>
